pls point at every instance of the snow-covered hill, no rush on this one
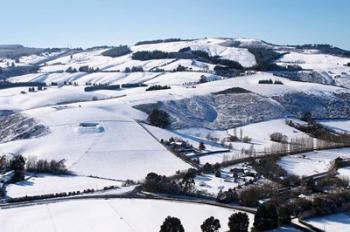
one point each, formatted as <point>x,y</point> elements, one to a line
<point>116,146</point>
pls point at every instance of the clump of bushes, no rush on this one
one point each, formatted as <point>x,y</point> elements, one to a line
<point>278,137</point>
<point>159,41</point>
<point>88,69</point>
<point>238,222</point>
<point>269,81</point>
<point>160,184</point>
<point>71,70</point>
<point>117,51</point>
<point>250,196</point>
<point>159,118</point>
<point>227,197</point>
<point>157,87</point>
<point>133,69</point>
<point>45,166</point>
<point>246,139</point>
<point>266,217</point>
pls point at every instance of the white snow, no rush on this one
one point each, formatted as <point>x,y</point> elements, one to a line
<point>123,150</point>
<point>344,173</point>
<point>49,184</point>
<point>338,125</point>
<point>109,215</point>
<point>335,222</point>
<point>241,55</point>
<point>332,65</point>
<point>260,132</point>
<point>21,99</point>
<point>312,162</point>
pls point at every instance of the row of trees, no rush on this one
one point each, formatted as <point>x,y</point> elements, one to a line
<point>188,54</point>
<point>157,87</point>
<point>19,165</point>
<point>45,166</point>
<point>159,41</point>
<point>117,51</point>
<point>266,218</point>
<point>84,68</point>
<point>270,81</point>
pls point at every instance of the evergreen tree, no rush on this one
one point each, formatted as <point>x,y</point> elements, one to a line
<point>159,118</point>
<point>187,182</point>
<point>211,224</point>
<point>201,146</point>
<point>238,222</point>
<point>266,217</point>
<point>17,164</point>
<point>172,224</point>
<point>284,215</point>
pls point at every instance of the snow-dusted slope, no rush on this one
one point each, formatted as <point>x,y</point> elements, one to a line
<point>109,215</point>
<point>116,147</point>
<point>21,99</point>
<point>212,46</point>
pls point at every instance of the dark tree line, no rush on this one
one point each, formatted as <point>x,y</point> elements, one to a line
<point>159,41</point>
<point>157,87</point>
<point>117,51</point>
<point>237,222</point>
<point>190,54</point>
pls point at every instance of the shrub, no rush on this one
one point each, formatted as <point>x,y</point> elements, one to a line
<point>227,197</point>
<point>208,168</point>
<point>172,224</point>
<point>238,222</point>
<point>203,79</point>
<point>278,137</point>
<point>136,69</point>
<point>71,70</point>
<point>201,146</point>
<point>161,184</point>
<point>266,217</point>
<point>180,68</point>
<point>159,118</point>
<point>284,215</point>
<point>233,138</point>
<point>250,196</point>
<point>246,139</point>
<point>307,117</point>
<point>211,224</point>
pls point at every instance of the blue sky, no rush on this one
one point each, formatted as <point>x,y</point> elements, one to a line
<point>84,23</point>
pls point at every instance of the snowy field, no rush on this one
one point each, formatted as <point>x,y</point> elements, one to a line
<point>48,184</point>
<point>136,96</point>
<point>21,99</point>
<point>213,185</point>
<point>337,125</point>
<point>316,162</point>
<point>344,173</point>
<point>109,215</point>
<point>117,147</point>
<point>336,222</point>
<point>333,65</point>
